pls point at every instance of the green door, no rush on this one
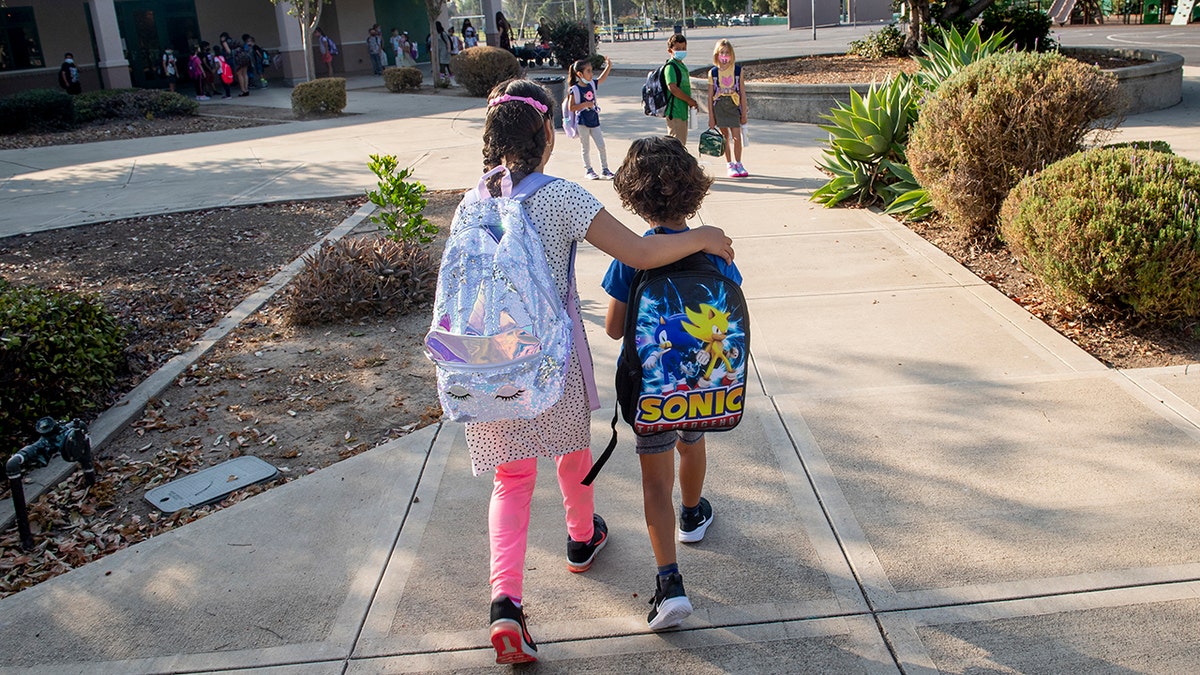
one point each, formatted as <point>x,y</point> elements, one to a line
<point>148,27</point>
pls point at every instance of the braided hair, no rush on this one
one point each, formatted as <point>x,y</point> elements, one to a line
<point>514,132</point>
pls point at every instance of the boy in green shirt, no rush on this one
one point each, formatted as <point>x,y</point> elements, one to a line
<point>679,83</point>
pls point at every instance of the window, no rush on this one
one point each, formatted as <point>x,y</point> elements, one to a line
<point>19,44</point>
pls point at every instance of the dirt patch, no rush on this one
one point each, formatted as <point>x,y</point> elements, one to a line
<point>836,69</point>
<point>847,69</point>
<point>301,398</point>
<point>113,130</point>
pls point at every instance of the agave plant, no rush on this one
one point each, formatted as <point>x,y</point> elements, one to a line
<point>952,51</point>
<point>905,196</point>
<point>867,138</point>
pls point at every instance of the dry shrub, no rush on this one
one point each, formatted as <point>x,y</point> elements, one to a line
<point>999,119</point>
<point>1117,227</point>
<point>398,79</point>
<point>326,96</point>
<point>358,277</point>
<point>479,69</point>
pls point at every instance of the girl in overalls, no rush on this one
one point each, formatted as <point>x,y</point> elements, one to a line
<point>583,104</point>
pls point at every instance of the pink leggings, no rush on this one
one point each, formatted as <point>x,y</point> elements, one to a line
<point>508,514</point>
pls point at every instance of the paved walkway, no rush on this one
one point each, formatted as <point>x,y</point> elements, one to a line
<point>928,478</point>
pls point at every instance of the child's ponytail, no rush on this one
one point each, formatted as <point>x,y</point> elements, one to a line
<point>575,69</point>
<point>514,130</point>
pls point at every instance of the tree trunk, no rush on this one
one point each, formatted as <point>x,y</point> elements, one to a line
<point>918,23</point>
<point>591,27</point>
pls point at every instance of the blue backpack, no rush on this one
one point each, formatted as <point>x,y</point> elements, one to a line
<point>683,359</point>
<point>501,336</point>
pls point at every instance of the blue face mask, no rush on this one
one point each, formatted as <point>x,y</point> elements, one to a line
<point>681,54</point>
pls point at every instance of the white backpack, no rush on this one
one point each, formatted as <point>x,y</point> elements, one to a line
<point>501,335</point>
<point>570,118</point>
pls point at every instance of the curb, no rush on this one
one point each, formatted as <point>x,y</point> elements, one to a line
<point>112,421</point>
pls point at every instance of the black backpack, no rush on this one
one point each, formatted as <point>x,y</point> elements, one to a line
<point>683,358</point>
<point>655,94</point>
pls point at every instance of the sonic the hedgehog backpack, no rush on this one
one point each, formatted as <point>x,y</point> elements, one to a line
<point>683,358</point>
<point>501,336</point>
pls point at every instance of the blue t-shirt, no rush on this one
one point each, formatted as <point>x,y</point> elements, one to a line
<point>619,278</point>
<point>588,117</point>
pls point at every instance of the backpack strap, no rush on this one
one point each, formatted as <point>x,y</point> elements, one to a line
<point>531,184</point>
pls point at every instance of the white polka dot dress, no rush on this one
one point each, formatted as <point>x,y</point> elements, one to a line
<point>561,211</point>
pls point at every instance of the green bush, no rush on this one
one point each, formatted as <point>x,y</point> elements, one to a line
<point>398,79</point>
<point>401,203</point>
<point>315,98</point>
<point>999,119</point>
<point>570,40</point>
<point>1028,28</point>
<point>479,69</point>
<point>40,109</point>
<point>59,353</point>
<point>879,44</point>
<point>106,104</point>
<point>1117,227</point>
<point>952,51</point>
<point>358,277</point>
<point>1157,146</point>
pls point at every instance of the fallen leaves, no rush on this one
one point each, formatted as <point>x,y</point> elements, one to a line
<point>74,525</point>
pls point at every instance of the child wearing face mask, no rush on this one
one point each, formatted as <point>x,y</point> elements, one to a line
<point>727,104</point>
<point>583,89</point>
<point>679,83</point>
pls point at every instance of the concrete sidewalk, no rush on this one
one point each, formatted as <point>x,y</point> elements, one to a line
<point>928,479</point>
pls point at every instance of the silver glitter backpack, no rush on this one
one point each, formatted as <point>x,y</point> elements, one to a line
<point>501,335</point>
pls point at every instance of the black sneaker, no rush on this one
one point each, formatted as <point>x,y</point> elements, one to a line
<point>691,530</point>
<point>510,637</point>
<point>579,554</point>
<point>670,604</point>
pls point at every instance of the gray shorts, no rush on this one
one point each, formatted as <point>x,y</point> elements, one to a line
<point>664,441</point>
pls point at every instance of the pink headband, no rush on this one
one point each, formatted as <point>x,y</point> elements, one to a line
<point>537,105</point>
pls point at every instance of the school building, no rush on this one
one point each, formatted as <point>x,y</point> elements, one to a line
<point>119,43</point>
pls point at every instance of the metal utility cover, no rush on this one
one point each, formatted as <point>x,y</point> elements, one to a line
<point>211,484</point>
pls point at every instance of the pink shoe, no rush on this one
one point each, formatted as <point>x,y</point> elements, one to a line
<point>741,170</point>
<point>732,172</point>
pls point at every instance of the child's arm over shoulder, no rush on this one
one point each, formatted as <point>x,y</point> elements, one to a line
<point>609,235</point>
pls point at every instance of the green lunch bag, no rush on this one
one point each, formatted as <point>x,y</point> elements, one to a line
<point>712,143</point>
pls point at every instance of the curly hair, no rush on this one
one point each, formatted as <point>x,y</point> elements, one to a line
<point>514,132</point>
<point>661,181</point>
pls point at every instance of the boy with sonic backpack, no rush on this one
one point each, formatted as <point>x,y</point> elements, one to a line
<point>704,344</point>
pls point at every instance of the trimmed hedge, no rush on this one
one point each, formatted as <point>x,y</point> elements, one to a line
<point>326,96</point>
<point>59,352</point>
<point>1117,227</point>
<point>479,69</point>
<point>132,104</point>
<point>999,119</point>
<point>403,78</point>
<point>41,109</point>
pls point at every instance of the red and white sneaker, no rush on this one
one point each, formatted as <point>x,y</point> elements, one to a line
<point>510,637</point>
